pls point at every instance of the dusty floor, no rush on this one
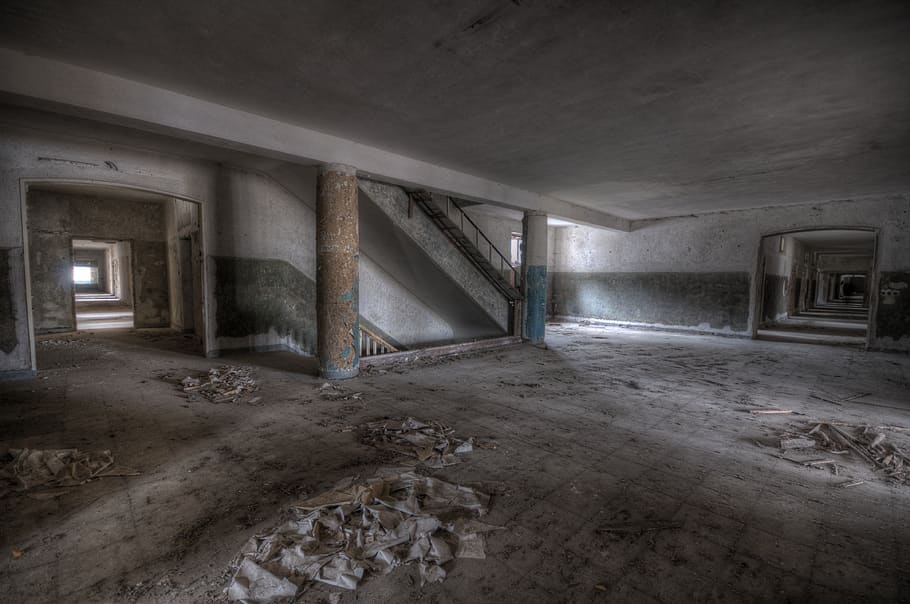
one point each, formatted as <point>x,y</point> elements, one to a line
<point>607,426</point>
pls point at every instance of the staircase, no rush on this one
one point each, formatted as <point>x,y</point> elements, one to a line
<point>372,344</point>
<point>467,237</point>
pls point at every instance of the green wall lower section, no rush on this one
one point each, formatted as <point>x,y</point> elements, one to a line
<point>719,300</point>
<point>254,296</point>
<point>8,339</point>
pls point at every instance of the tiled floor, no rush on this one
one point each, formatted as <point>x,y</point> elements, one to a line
<point>606,426</point>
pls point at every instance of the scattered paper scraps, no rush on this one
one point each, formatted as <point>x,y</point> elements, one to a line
<point>225,384</point>
<point>431,443</point>
<point>357,528</point>
<point>32,469</point>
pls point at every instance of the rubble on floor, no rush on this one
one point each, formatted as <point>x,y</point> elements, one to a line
<point>337,392</point>
<point>65,341</point>
<point>54,468</point>
<point>432,443</point>
<point>868,443</point>
<point>359,527</point>
<point>224,384</point>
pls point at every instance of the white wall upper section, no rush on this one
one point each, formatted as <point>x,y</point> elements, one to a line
<point>726,241</point>
<point>257,218</point>
<point>109,98</point>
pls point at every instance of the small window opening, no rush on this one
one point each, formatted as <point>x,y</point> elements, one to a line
<point>515,249</point>
<point>85,274</point>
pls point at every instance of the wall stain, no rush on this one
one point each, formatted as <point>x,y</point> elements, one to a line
<point>717,299</point>
<point>254,296</point>
<point>893,317</point>
<point>8,339</point>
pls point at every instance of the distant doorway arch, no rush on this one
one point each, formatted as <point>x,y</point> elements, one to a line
<point>816,285</point>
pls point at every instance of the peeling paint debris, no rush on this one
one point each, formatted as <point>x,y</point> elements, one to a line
<point>227,383</point>
<point>28,469</point>
<point>432,443</point>
<point>356,528</point>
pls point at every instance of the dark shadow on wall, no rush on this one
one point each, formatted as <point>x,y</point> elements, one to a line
<point>400,256</point>
<point>8,339</point>
<point>719,300</point>
<point>254,296</point>
<point>893,317</point>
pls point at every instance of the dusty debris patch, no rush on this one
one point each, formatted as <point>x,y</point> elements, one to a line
<point>431,443</point>
<point>225,384</point>
<point>868,443</point>
<point>357,528</point>
<point>30,469</point>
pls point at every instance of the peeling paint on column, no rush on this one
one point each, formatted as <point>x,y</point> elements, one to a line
<point>337,259</point>
<point>535,276</point>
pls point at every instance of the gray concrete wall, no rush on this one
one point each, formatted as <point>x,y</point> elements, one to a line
<point>264,256</point>
<point>776,284</point>
<point>121,266</point>
<point>845,264</point>
<point>713,258</point>
<point>51,265</point>
<point>396,311</point>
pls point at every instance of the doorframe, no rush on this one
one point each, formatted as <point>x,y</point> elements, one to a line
<point>758,273</point>
<point>25,183</point>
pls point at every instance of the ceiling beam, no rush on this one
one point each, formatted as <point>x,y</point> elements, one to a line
<point>36,81</point>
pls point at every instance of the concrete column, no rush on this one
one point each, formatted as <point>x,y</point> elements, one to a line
<point>337,256</point>
<point>534,275</point>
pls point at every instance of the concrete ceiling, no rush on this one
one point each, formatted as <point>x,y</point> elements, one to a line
<point>640,109</point>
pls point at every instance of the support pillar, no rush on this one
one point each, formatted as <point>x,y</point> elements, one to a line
<point>534,275</point>
<point>337,257</point>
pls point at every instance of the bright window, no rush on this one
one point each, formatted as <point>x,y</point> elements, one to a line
<point>85,275</point>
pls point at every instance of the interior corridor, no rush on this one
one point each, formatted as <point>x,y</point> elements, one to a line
<point>817,286</point>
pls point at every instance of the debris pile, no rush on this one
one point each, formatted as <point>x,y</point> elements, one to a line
<point>431,443</point>
<point>224,384</point>
<point>337,392</point>
<point>64,342</point>
<point>866,443</point>
<point>33,468</point>
<point>359,527</point>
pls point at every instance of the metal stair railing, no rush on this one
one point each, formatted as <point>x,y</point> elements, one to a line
<point>372,344</point>
<point>468,237</point>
